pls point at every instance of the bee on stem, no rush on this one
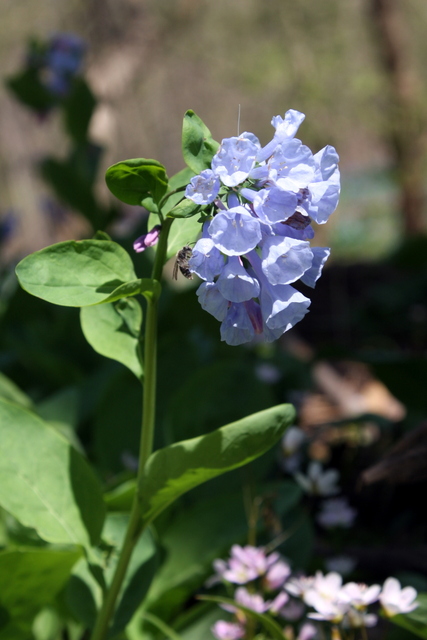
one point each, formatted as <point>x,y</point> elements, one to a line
<point>181,263</point>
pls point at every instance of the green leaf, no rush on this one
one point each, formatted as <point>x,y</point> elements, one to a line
<point>178,181</point>
<point>31,578</point>
<point>415,621</point>
<point>131,181</point>
<point>266,621</point>
<point>161,626</point>
<point>120,498</point>
<point>185,209</point>
<point>10,391</point>
<point>84,595</point>
<point>113,330</point>
<point>45,483</point>
<point>198,146</point>
<point>78,273</point>
<point>192,540</point>
<point>78,109</point>
<point>174,470</point>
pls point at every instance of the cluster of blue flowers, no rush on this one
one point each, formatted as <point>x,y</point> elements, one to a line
<point>256,244</point>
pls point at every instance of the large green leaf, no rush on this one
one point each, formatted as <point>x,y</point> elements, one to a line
<point>78,273</point>
<point>131,181</point>
<point>174,470</point>
<point>45,483</point>
<point>30,579</point>
<point>198,146</point>
<point>84,595</point>
<point>113,330</point>
<point>10,391</point>
<point>415,621</point>
<point>265,620</point>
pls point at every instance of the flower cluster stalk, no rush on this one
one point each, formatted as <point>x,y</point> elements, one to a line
<point>135,525</point>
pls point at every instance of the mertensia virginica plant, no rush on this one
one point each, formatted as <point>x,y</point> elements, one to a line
<point>240,217</point>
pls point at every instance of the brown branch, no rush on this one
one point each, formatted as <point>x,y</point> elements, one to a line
<point>406,123</point>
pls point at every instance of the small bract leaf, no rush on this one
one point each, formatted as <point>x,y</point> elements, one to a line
<point>77,273</point>
<point>184,209</point>
<point>45,483</point>
<point>174,470</point>
<point>113,330</point>
<point>131,181</point>
<point>198,146</point>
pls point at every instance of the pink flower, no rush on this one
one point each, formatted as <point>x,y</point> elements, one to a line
<point>359,595</point>
<point>147,240</point>
<point>227,630</point>
<point>276,575</point>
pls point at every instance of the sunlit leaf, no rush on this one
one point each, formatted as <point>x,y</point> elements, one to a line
<point>131,181</point>
<point>174,470</point>
<point>198,146</point>
<point>113,330</point>
<point>78,273</point>
<point>45,483</point>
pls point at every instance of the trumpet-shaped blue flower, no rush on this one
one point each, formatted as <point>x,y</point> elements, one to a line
<point>237,327</point>
<point>212,300</point>
<point>285,260</point>
<point>274,205</point>
<point>206,260</point>
<point>235,283</point>
<point>311,276</point>
<point>235,231</point>
<point>235,158</point>
<point>286,129</point>
<point>204,188</point>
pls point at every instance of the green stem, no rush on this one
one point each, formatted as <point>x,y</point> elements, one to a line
<point>135,526</point>
<point>164,628</point>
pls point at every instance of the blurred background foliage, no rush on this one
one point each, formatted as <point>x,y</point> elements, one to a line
<point>355,367</point>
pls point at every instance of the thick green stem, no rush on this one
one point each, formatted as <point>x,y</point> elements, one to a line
<point>135,525</point>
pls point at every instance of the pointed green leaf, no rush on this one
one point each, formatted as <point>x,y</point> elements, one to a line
<point>198,146</point>
<point>131,181</point>
<point>120,498</point>
<point>172,471</point>
<point>45,483</point>
<point>265,620</point>
<point>31,578</point>
<point>113,330</point>
<point>78,273</point>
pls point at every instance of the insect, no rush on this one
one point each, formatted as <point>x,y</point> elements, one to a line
<point>181,263</point>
